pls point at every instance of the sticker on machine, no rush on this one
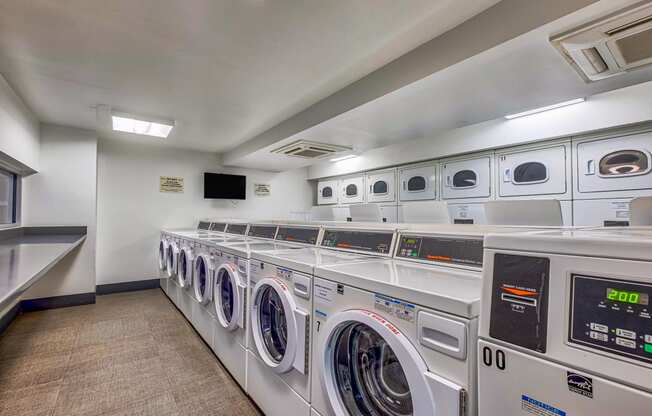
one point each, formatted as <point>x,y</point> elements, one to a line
<point>582,385</point>
<point>538,408</point>
<point>325,291</point>
<point>402,310</point>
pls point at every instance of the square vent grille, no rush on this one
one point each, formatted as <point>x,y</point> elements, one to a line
<point>310,150</point>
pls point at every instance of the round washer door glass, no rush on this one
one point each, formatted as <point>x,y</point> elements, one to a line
<point>369,377</point>
<point>201,277</point>
<point>273,323</point>
<point>226,294</point>
<point>183,265</point>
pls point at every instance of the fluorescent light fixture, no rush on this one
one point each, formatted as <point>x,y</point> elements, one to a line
<point>546,108</point>
<point>137,125</point>
<point>338,159</point>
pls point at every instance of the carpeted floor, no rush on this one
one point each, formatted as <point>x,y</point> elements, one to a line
<point>128,354</point>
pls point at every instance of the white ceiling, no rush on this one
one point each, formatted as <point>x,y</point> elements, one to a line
<point>225,70</point>
<point>524,73</point>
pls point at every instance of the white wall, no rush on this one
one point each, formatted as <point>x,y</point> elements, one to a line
<point>611,109</point>
<point>132,211</point>
<point>64,193</point>
<point>19,129</point>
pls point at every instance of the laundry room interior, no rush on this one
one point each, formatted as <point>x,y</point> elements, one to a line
<point>342,208</point>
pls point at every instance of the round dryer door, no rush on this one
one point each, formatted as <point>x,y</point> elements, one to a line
<point>370,368</point>
<point>229,297</point>
<point>184,271</point>
<point>202,278</point>
<point>162,253</point>
<point>172,259</point>
<point>278,327</point>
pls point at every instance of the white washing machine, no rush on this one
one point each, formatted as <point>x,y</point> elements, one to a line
<point>612,169</point>
<point>537,172</point>
<point>397,337</point>
<point>279,370</point>
<point>197,300</point>
<point>162,254</point>
<point>230,292</point>
<point>566,323</point>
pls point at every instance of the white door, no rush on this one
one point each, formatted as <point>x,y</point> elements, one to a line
<point>616,164</point>
<point>327,192</point>
<point>381,186</point>
<point>467,178</point>
<point>352,190</point>
<point>533,172</point>
<point>417,183</point>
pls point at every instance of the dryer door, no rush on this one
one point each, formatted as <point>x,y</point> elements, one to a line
<point>203,278</point>
<point>327,192</point>
<point>533,172</point>
<point>229,294</point>
<point>278,327</point>
<point>352,190</point>
<point>381,186</point>
<point>618,164</point>
<point>184,270</point>
<point>467,179</point>
<point>417,183</point>
<point>370,368</point>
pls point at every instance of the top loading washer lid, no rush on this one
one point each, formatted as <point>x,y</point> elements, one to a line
<point>306,259</point>
<point>247,248</point>
<point>445,289</point>
<point>633,243</point>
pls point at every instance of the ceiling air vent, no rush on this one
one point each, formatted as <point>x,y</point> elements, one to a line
<point>310,150</point>
<point>612,45</point>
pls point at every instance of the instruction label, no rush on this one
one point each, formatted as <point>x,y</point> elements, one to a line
<point>325,291</point>
<point>395,307</point>
<point>538,408</point>
<point>172,184</point>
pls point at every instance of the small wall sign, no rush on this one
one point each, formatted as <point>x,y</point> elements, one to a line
<point>172,184</point>
<point>262,189</point>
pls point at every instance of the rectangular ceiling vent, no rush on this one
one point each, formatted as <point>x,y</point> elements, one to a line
<point>310,150</point>
<point>612,45</point>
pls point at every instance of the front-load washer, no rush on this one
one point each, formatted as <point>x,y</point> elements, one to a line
<point>162,255</point>
<point>202,312</point>
<point>395,337</point>
<point>281,287</point>
<point>230,292</point>
<point>566,323</point>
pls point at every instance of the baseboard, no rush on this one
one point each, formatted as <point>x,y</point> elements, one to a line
<point>7,318</point>
<point>57,302</point>
<point>127,286</point>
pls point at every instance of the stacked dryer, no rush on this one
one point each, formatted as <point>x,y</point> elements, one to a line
<point>465,185</point>
<point>612,168</point>
<point>279,357</point>
<point>566,324</point>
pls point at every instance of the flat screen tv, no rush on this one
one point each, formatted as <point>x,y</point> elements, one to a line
<point>220,186</point>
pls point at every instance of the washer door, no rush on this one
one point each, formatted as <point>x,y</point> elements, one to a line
<point>203,278</point>
<point>279,329</point>
<point>172,259</point>
<point>370,368</point>
<point>184,270</point>
<point>229,293</point>
<point>162,253</point>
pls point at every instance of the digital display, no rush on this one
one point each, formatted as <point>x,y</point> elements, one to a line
<point>464,251</point>
<point>236,228</point>
<point>262,231</point>
<point>628,297</point>
<point>373,242</point>
<point>298,235</point>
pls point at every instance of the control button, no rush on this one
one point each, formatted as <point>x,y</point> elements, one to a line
<point>625,333</point>
<point>648,339</point>
<point>599,336</point>
<point>648,348</point>
<point>599,327</point>
<point>625,343</point>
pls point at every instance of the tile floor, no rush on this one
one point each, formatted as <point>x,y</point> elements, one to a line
<point>128,354</point>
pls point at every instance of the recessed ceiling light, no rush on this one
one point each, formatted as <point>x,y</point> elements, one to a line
<point>139,125</point>
<point>546,108</point>
<point>338,159</point>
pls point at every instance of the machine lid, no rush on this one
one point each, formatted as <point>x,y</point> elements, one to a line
<point>632,243</point>
<point>305,259</point>
<point>451,290</point>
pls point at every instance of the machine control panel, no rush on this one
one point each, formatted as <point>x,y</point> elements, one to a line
<point>217,226</point>
<point>378,242</point>
<point>204,225</point>
<point>519,300</point>
<point>240,229</point>
<point>442,249</point>
<point>262,231</point>
<point>306,235</point>
<point>612,315</point>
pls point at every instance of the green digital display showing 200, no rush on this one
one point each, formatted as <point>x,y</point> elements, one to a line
<point>627,297</point>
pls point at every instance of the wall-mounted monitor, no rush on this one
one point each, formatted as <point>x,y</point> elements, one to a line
<point>221,186</point>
